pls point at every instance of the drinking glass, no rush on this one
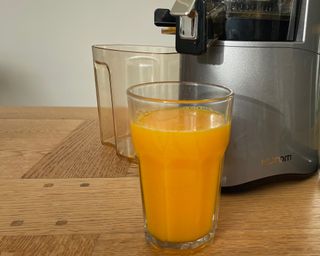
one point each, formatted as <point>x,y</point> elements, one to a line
<point>180,132</point>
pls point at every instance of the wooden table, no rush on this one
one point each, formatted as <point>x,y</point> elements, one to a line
<point>63,193</point>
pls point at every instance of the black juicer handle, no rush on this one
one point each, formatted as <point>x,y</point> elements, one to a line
<point>163,18</point>
<point>198,23</point>
<point>196,45</point>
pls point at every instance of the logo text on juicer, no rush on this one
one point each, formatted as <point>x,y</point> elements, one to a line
<point>276,160</point>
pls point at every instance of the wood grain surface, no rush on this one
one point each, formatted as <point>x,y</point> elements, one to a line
<point>63,193</point>
<point>60,113</point>
<point>81,155</point>
<point>23,142</point>
<point>47,245</point>
<point>70,206</point>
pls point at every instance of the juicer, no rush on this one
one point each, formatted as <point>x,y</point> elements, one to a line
<point>268,53</point>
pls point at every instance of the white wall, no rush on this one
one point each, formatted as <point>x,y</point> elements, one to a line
<point>45,45</point>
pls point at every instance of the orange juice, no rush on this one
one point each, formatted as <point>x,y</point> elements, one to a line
<point>180,151</point>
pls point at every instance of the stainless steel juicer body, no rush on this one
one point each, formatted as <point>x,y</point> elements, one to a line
<point>276,110</point>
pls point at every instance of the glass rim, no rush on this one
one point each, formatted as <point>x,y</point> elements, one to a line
<point>158,100</point>
<point>113,47</point>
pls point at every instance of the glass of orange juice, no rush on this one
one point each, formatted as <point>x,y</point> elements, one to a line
<point>180,132</point>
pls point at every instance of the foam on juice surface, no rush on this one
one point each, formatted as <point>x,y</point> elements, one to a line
<point>181,119</point>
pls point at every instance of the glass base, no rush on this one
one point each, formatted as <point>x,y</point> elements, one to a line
<point>197,244</point>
